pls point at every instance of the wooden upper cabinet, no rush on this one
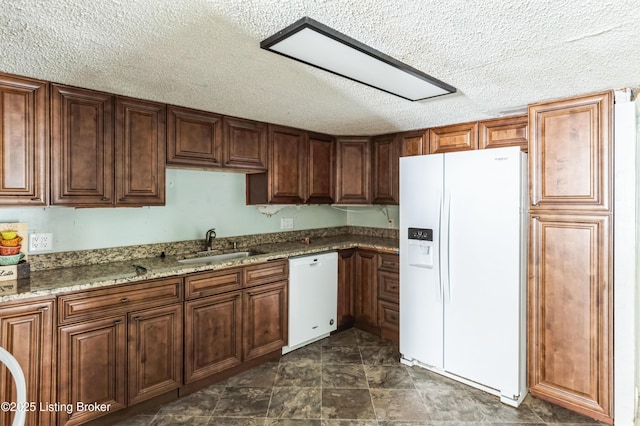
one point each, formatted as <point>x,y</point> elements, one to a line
<point>140,152</point>
<point>24,141</point>
<point>503,132</point>
<point>194,138</point>
<point>353,165</point>
<point>321,169</point>
<point>287,172</point>
<point>570,316</point>
<point>570,153</point>
<point>386,169</point>
<point>413,143</point>
<point>457,137</point>
<point>245,144</point>
<point>82,146</point>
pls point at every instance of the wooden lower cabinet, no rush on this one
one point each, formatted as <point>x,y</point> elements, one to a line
<point>366,290</point>
<point>154,352</point>
<point>92,368</point>
<point>571,312</point>
<point>212,335</point>
<point>26,331</point>
<point>346,279</point>
<point>265,325</point>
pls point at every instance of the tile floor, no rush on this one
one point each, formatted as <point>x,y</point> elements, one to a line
<point>349,379</point>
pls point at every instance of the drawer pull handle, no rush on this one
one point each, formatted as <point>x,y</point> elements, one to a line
<point>43,309</point>
<point>36,199</point>
<point>124,300</point>
<point>116,322</point>
<point>137,318</point>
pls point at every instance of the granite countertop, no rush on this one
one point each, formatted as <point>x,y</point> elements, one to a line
<point>61,280</point>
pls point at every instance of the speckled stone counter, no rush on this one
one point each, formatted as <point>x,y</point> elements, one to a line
<point>74,278</point>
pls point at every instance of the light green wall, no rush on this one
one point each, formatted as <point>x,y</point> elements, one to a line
<point>375,217</point>
<point>196,201</point>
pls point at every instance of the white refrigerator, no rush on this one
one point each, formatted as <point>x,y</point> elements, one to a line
<point>463,267</point>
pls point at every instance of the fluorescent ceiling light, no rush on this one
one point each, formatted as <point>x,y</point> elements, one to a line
<point>316,44</point>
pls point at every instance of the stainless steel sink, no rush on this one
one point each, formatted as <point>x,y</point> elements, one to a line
<point>217,257</point>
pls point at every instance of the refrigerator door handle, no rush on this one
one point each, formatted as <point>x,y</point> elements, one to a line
<point>447,282</point>
<point>440,264</point>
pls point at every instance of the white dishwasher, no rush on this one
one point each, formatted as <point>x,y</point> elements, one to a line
<point>313,298</point>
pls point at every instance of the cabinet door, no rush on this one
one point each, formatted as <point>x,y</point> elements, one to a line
<point>570,312</point>
<point>245,144</point>
<point>570,153</point>
<point>81,147</point>
<point>366,290</point>
<point>140,152</point>
<point>458,137</point>
<point>155,352</point>
<point>213,335</point>
<point>92,368</point>
<point>386,170</point>
<point>287,165</point>
<point>265,314</point>
<point>502,132</point>
<point>321,176</point>
<point>354,171</point>
<point>26,331</point>
<point>414,143</point>
<point>24,137</point>
<point>346,279</point>
<point>194,138</point>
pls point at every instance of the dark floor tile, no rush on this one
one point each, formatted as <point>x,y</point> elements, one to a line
<point>176,419</point>
<point>309,353</point>
<point>399,404</point>
<point>293,422</point>
<point>351,404</point>
<point>299,375</point>
<point>261,376</point>
<point>345,338</point>
<point>380,355</point>
<point>388,377</point>
<point>451,405</point>
<point>424,379</point>
<point>201,403</point>
<point>295,403</point>
<point>349,376</point>
<point>497,412</point>
<point>236,421</point>
<point>341,355</point>
<point>139,420</point>
<point>550,413</point>
<point>368,339</point>
<point>243,402</point>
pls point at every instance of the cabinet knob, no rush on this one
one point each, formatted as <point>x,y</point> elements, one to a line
<point>124,300</point>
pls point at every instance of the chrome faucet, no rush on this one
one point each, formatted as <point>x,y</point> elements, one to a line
<point>209,237</point>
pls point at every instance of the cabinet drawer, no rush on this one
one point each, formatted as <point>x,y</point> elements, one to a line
<point>389,262</point>
<point>388,315</point>
<point>266,273</point>
<point>118,299</point>
<point>389,286</point>
<point>210,283</point>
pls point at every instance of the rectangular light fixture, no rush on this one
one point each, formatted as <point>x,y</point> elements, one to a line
<point>316,44</point>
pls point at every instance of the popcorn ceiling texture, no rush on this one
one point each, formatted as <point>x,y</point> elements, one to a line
<point>205,54</point>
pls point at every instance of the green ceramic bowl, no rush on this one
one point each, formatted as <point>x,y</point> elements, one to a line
<point>11,260</point>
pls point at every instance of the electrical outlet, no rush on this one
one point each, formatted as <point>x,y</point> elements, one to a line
<point>390,224</point>
<point>40,242</point>
<point>286,223</point>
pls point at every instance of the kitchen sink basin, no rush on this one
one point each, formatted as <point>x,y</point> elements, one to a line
<point>217,257</point>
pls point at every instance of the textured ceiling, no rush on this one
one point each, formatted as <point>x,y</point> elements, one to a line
<point>205,54</point>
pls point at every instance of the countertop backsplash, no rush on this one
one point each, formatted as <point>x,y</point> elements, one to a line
<point>67,259</point>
